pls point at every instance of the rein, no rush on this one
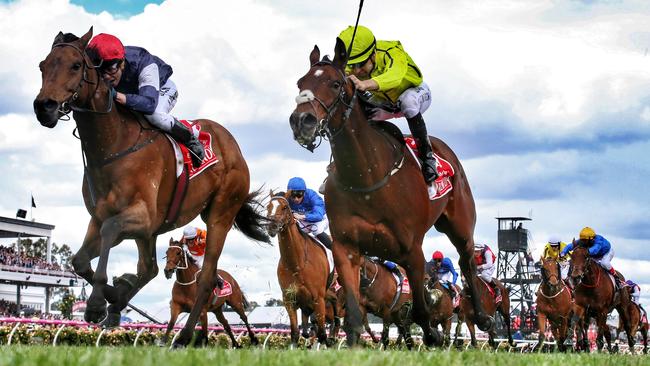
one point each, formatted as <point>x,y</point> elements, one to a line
<point>589,262</point>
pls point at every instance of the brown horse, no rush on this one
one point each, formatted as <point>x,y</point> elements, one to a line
<point>184,295</point>
<point>129,180</point>
<point>443,306</point>
<point>596,294</point>
<point>637,323</point>
<point>302,269</point>
<point>375,195</point>
<point>491,307</point>
<point>554,302</point>
<point>379,296</point>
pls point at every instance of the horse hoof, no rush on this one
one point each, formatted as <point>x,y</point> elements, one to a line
<point>485,323</point>
<point>112,320</point>
<point>254,341</point>
<point>95,313</point>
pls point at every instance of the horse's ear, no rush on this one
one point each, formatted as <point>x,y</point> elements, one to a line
<point>86,37</point>
<point>271,192</point>
<point>171,240</point>
<point>59,38</point>
<point>314,56</point>
<point>340,55</point>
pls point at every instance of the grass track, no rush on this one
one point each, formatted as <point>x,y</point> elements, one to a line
<point>153,356</point>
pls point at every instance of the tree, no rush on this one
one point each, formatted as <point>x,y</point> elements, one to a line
<point>274,302</point>
<point>65,305</point>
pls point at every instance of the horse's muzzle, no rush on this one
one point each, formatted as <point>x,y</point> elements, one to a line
<point>303,125</point>
<point>47,112</point>
<point>168,273</point>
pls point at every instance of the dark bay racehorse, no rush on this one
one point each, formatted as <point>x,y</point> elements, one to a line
<point>442,310</point>
<point>375,195</point>
<point>184,295</point>
<point>490,306</point>
<point>302,269</point>
<point>129,180</point>
<point>596,294</point>
<point>554,303</point>
<point>379,297</point>
<point>637,323</point>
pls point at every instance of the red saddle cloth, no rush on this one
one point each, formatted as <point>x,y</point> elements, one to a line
<point>491,290</point>
<point>206,140</point>
<point>225,290</point>
<point>444,168</point>
<point>406,287</point>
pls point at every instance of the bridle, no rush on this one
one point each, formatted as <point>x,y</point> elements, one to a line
<point>290,221</point>
<point>177,267</point>
<point>547,278</point>
<point>323,129</point>
<point>67,106</point>
<point>586,269</point>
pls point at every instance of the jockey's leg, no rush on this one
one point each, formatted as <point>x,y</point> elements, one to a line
<point>414,102</point>
<point>394,269</point>
<point>186,137</point>
<point>320,233</point>
<point>325,239</point>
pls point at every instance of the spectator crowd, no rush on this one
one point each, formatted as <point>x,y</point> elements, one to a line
<point>10,257</point>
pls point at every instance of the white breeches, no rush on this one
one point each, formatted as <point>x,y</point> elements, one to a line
<point>606,260</point>
<point>412,101</point>
<point>166,102</point>
<point>486,274</point>
<point>314,228</point>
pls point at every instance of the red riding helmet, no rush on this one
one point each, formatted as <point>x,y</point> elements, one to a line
<point>437,255</point>
<point>107,47</point>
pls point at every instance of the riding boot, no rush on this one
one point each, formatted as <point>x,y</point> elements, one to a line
<point>497,290</point>
<point>184,135</point>
<point>419,131</point>
<point>325,239</point>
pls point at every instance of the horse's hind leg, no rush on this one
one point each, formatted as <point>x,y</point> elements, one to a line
<point>421,312</point>
<point>128,285</point>
<point>238,306</point>
<point>226,326</point>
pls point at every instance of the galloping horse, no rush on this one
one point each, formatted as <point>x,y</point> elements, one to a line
<point>596,294</point>
<point>184,295</point>
<point>637,323</point>
<point>491,307</point>
<point>443,307</point>
<point>129,180</point>
<point>554,303</point>
<point>379,296</point>
<point>302,269</point>
<point>375,195</point>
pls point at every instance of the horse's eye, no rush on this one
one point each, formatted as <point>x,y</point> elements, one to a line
<point>336,84</point>
<point>76,66</point>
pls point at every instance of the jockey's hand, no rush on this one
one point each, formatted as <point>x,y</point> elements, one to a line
<point>299,216</point>
<point>364,85</point>
<point>120,98</point>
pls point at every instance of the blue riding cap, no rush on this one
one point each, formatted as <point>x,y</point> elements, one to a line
<point>296,184</point>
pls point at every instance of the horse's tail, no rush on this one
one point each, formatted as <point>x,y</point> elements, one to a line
<point>250,221</point>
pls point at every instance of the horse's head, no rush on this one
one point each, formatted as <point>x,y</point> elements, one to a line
<point>579,262</point>
<point>278,212</point>
<point>65,78</point>
<point>322,91</point>
<point>176,258</point>
<point>551,272</point>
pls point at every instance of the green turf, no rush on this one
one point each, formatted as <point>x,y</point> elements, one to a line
<point>153,356</point>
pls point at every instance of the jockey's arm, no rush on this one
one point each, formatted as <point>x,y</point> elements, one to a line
<point>395,71</point>
<point>148,91</point>
<point>568,248</point>
<point>317,212</point>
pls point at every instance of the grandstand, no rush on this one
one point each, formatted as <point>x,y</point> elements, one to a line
<point>26,282</point>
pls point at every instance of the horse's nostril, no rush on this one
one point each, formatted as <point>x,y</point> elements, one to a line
<point>47,105</point>
<point>308,119</point>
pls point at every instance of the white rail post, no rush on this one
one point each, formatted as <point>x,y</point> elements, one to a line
<point>11,335</point>
<point>99,337</point>
<point>56,336</point>
<point>135,342</point>
<point>266,340</point>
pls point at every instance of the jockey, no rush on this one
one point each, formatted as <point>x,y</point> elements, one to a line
<point>391,266</point>
<point>388,72</point>
<point>309,209</point>
<point>635,294</point>
<point>552,251</point>
<point>445,269</point>
<point>599,249</point>
<point>484,259</point>
<point>140,81</point>
<point>194,239</point>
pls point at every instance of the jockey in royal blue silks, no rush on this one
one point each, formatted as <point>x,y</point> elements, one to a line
<point>309,210</point>
<point>392,266</point>
<point>599,249</point>
<point>445,271</point>
<point>141,82</point>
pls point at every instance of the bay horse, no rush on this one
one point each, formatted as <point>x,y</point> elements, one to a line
<point>442,310</point>
<point>554,303</point>
<point>375,196</point>
<point>184,295</point>
<point>379,297</point>
<point>637,323</point>
<point>302,270</point>
<point>596,294</point>
<point>490,306</point>
<point>129,180</point>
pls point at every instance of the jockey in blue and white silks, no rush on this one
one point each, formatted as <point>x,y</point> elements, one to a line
<point>445,271</point>
<point>309,210</point>
<point>599,249</point>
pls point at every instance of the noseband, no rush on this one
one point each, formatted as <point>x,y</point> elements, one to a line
<point>67,106</point>
<point>323,129</point>
<point>176,267</point>
<point>284,223</point>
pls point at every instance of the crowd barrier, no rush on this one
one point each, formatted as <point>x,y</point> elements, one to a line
<point>521,346</point>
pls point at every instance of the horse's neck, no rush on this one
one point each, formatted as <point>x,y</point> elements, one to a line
<point>361,155</point>
<point>292,247</point>
<point>188,274</point>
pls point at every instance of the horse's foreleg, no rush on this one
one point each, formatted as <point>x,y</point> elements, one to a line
<point>603,330</point>
<point>347,264</point>
<point>293,323</point>
<point>541,327</point>
<point>220,220</point>
<point>89,250</point>
<point>175,310</point>
<point>319,313</point>
<point>560,333</point>
<point>421,312</point>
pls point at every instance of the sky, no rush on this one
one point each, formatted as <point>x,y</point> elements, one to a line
<point>546,103</point>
